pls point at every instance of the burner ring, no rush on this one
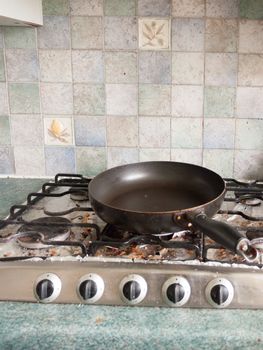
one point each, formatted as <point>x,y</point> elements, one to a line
<point>44,227</point>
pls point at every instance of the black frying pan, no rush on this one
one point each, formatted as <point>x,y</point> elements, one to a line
<point>155,197</point>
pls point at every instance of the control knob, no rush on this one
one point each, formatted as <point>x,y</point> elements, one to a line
<point>219,292</point>
<point>90,288</point>
<point>133,289</point>
<point>47,287</point>
<point>176,291</point>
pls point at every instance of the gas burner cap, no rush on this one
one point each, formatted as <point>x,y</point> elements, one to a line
<point>80,194</point>
<point>44,227</point>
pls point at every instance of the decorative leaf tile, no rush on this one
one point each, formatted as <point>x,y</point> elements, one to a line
<point>154,34</point>
<point>58,131</point>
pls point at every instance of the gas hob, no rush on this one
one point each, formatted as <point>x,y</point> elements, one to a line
<point>54,249</point>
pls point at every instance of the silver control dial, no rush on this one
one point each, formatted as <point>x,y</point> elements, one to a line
<point>219,292</point>
<point>176,291</point>
<point>90,288</point>
<point>47,287</point>
<point>133,289</point>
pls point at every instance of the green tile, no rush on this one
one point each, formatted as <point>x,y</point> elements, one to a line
<point>55,7</point>
<point>154,99</point>
<point>4,130</point>
<point>2,66</point>
<point>90,160</point>
<point>119,8</point>
<point>219,102</point>
<point>252,9</point>
<point>19,38</point>
<point>24,98</point>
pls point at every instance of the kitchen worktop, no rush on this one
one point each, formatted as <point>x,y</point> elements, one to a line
<point>56,326</point>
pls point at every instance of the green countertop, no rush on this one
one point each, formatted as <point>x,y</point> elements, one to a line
<point>57,326</point>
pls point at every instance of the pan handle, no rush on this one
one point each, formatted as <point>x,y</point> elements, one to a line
<point>225,235</point>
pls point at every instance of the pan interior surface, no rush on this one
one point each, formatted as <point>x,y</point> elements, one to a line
<point>156,187</point>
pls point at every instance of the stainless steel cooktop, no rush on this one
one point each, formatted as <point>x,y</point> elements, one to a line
<point>54,249</point>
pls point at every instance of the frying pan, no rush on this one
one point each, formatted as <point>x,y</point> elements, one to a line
<point>155,197</point>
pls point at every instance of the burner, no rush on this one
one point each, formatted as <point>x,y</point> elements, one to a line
<point>43,226</point>
<point>80,194</point>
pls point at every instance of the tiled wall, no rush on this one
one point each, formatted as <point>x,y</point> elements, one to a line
<point>119,81</point>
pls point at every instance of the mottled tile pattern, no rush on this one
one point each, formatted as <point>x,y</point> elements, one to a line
<point>181,95</point>
<point>3,99</point>
<point>222,8</point>
<point>155,67</point>
<point>58,131</point>
<point>187,68</point>
<point>250,70</point>
<point>121,99</point>
<point>120,8</point>
<point>55,33</point>
<point>154,33</point>
<point>150,154</point>
<point>22,65</point>
<point>59,159</point>
<point>219,101</point>
<point>55,65</point>
<point>188,34</point>
<point>58,7</point>
<point>24,98</point>
<point>87,66</point>
<point>249,102</point>
<point>86,7</point>
<point>120,33</point>
<point>219,160</point>
<point>188,8</point>
<point>122,131</point>
<point>26,130</point>
<point>154,7</point>
<point>120,67</point>
<point>154,132</point>
<point>56,98</point>
<point>221,35</point>
<point>86,32</point>
<point>193,156</point>
<point>219,133</point>
<point>251,36</point>
<point>90,161</point>
<point>90,131</point>
<point>5,138</point>
<point>221,69</point>
<point>120,155</point>
<point>186,133</point>
<point>249,134</point>
<point>89,99</point>
<point>154,99</point>
<point>251,9</point>
<point>6,160</point>
<point>2,66</point>
<point>19,37</point>
<point>29,160</point>
<point>248,164</point>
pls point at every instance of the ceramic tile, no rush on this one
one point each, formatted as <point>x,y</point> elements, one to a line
<point>3,99</point>
<point>26,130</point>
<point>219,133</point>
<point>22,65</point>
<point>249,134</point>
<point>29,160</point>
<point>55,65</point>
<point>86,8</point>
<point>119,156</point>
<point>221,69</point>
<point>2,66</point>
<point>19,37</point>
<point>154,154</point>
<point>59,160</point>
<point>120,33</point>
<point>120,67</point>
<point>90,160</point>
<point>186,133</point>
<point>87,66</point>
<point>188,8</point>
<point>55,33</point>
<point>87,32</point>
<point>222,8</point>
<point>221,35</point>
<point>219,160</point>
<point>6,160</point>
<point>121,99</point>
<point>251,9</point>
<point>251,36</point>
<point>248,164</point>
<point>24,98</point>
<point>181,95</point>
<point>188,34</point>
<point>154,131</point>
<point>58,131</point>
<point>219,101</point>
<point>154,7</point>
<point>122,131</point>
<point>249,102</point>
<point>192,156</point>
<point>188,68</point>
<point>154,99</point>
<point>155,67</point>
<point>1,38</point>
<point>56,98</point>
<point>58,7</point>
<point>89,99</point>
<point>250,70</point>
<point>120,8</point>
<point>90,131</point>
<point>154,34</point>
<point>4,131</point>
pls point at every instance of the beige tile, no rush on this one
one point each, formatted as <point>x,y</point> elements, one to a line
<point>249,102</point>
<point>29,160</point>
<point>181,95</point>
<point>86,8</point>
<point>58,131</point>
<point>154,154</point>
<point>248,164</point>
<point>154,99</point>
<point>221,69</point>
<point>56,98</point>
<point>188,68</point>
<point>26,130</point>
<point>222,8</point>
<point>249,134</point>
<point>251,36</point>
<point>86,32</point>
<point>186,133</point>
<point>55,65</point>
<point>154,131</point>
<point>219,160</point>
<point>188,8</point>
<point>122,131</point>
<point>154,34</point>
<point>120,155</point>
<point>120,67</point>
<point>192,156</point>
<point>250,70</point>
<point>221,35</point>
<point>121,99</point>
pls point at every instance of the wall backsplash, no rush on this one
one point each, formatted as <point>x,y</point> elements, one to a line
<point>120,81</point>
